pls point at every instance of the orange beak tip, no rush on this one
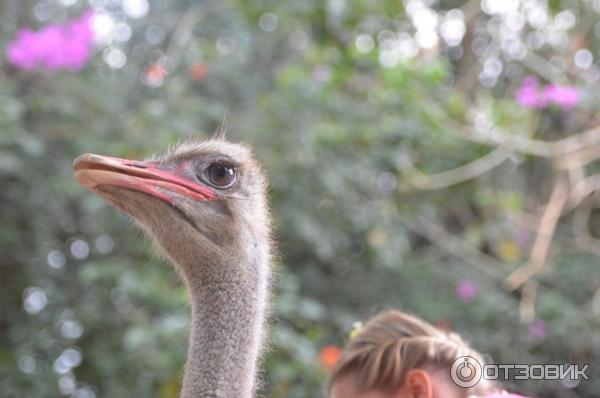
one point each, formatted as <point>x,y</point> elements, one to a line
<point>86,157</point>
<point>86,178</point>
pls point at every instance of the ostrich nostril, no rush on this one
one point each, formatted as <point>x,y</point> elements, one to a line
<point>138,165</point>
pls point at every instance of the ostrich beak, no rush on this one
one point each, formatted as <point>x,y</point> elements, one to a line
<point>92,171</point>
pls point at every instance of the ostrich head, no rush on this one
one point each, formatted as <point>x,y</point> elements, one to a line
<point>204,205</point>
<point>200,196</point>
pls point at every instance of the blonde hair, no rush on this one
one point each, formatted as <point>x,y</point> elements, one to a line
<point>388,346</point>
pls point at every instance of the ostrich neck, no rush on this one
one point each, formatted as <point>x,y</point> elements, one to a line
<point>227,311</point>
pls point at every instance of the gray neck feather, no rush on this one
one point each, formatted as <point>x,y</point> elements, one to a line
<point>228,309</point>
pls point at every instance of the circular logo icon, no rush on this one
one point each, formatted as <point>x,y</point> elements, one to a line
<point>465,371</point>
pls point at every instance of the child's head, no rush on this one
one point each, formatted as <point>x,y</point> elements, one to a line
<point>398,355</point>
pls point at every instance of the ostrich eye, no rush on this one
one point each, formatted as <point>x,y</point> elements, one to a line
<point>221,175</point>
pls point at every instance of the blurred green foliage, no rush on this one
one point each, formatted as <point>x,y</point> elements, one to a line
<point>345,134</point>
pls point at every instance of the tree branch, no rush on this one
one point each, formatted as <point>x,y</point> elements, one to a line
<point>581,230</point>
<point>521,143</point>
<point>545,233</point>
<point>460,174</point>
<point>528,296</point>
<point>530,146</point>
<point>455,246</point>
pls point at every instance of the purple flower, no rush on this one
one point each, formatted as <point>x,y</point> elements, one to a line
<point>522,236</point>
<point>466,290</point>
<point>55,47</point>
<point>529,95</point>
<point>564,96</point>
<point>538,329</point>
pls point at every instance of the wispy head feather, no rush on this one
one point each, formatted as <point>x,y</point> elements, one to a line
<point>219,134</point>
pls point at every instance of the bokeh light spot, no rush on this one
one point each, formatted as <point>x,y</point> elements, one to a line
<point>103,26</point>
<point>71,329</point>
<point>80,249</point>
<point>154,34</point>
<point>114,57</point>
<point>122,32</point>
<point>583,58</point>
<point>364,43</point>
<point>104,244</point>
<point>298,40</point>
<point>27,364</point>
<point>66,384</point>
<point>268,22</point>
<point>56,259</point>
<point>135,8</point>
<point>35,300</point>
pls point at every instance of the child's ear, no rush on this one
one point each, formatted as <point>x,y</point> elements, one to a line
<point>418,384</point>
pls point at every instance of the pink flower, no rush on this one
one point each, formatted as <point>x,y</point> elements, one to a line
<point>529,95</point>
<point>24,51</point>
<point>538,329</point>
<point>55,47</point>
<point>54,42</point>
<point>466,290</point>
<point>564,96</point>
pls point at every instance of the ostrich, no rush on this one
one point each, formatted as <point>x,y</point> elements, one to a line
<point>204,205</point>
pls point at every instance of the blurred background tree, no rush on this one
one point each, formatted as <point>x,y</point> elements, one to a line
<point>432,155</point>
